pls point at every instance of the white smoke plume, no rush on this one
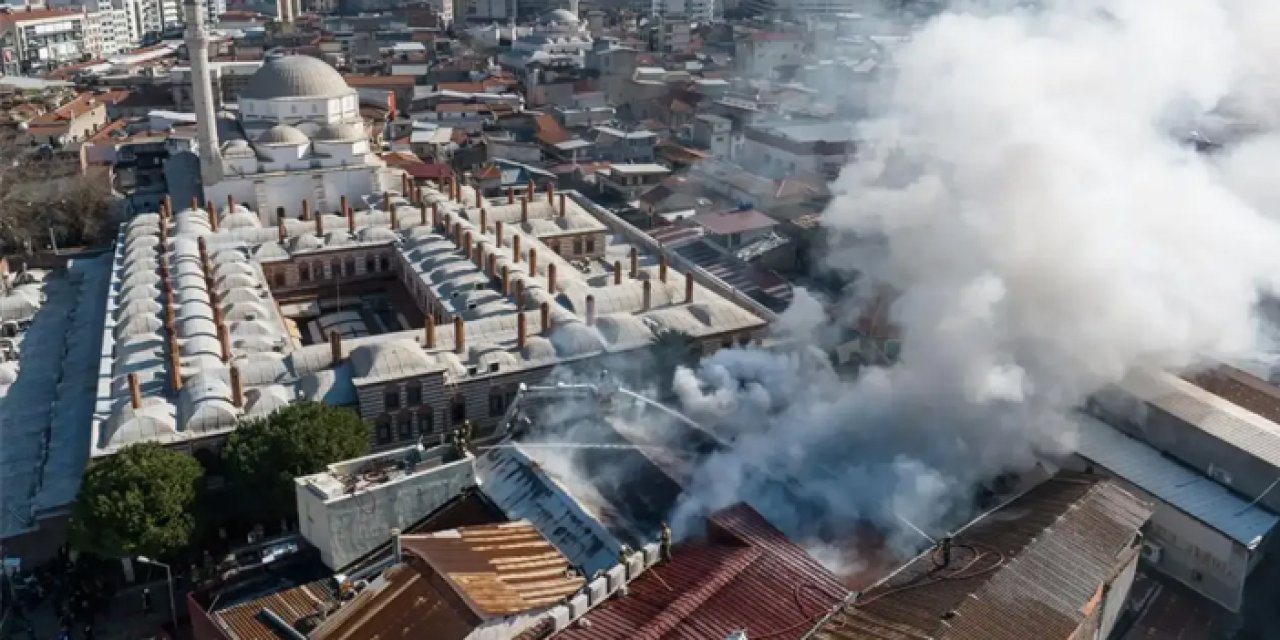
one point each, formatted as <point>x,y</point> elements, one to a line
<point>1047,232</point>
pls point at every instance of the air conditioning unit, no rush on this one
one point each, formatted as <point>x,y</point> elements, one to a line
<point>1152,552</point>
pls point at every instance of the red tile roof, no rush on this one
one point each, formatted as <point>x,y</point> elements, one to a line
<point>379,81</point>
<point>17,17</point>
<point>746,576</point>
<point>549,130</point>
<point>60,117</point>
<point>461,87</point>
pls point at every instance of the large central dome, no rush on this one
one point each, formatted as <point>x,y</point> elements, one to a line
<point>295,76</point>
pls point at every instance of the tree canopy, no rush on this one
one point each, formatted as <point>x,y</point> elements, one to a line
<point>264,455</point>
<point>137,502</point>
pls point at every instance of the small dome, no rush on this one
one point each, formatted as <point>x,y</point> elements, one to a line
<point>559,16</point>
<point>377,234</point>
<point>283,134</point>
<point>295,76</point>
<point>340,132</point>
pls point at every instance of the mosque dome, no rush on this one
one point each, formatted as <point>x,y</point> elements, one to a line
<point>559,16</point>
<point>340,132</point>
<point>295,76</point>
<point>283,134</point>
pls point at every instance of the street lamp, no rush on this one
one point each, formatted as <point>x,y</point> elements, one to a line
<point>173,610</point>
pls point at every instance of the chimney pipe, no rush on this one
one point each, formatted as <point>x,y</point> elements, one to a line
<point>506,280</point>
<point>135,390</point>
<point>168,204</point>
<point>551,194</point>
<point>319,224</point>
<point>533,261</point>
<point>195,203</point>
<point>281,232</point>
<point>519,297</point>
<point>459,335</point>
<point>203,250</point>
<point>545,312</point>
<point>551,278</point>
<point>231,203</point>
<point>522,330</point>
<point>688,287</point>
<point>335,347</point>
<point>279,213</point>
<point>591,311</point>
<point>484,219</point>
<point>562,207</point>
<point>497,232</point>
<point>395,221</point>
<point>662,267</point>
<point>491,262</point>
<point>404,184</point>
<point>511,195</point>
<point>533,189</point>
<point>422,213</point>
<point>524,210</point>
<point>635,263</point>
<point>435,215</point>
<point>431,331</point>
<point>466,243</point>
<point>351,220</point>
<point>213,215</point>
<point>515,247</point>
<point>476,189</point>
<point>237,388</point>
<point>617,272</point>
<point>342,205</point>
<point>224,339</point>
<point>648,294</point>
<point>175,364</point>
<point>306,209</point>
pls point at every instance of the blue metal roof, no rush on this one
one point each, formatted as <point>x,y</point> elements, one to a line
<point>1171,482</point>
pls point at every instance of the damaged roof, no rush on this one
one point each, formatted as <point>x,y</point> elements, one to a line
<point>1033,568</point>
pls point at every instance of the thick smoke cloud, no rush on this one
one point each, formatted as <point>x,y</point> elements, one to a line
<point>1047,231</point>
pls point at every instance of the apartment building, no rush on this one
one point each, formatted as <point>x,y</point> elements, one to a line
<point>40,39</point>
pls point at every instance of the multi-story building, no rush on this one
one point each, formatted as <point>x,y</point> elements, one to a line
<point>41,39</point>
<point>817,148</point>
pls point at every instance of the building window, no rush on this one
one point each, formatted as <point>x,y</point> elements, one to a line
<point>391,401</point>
<point>384,430</point>
<point>459,410</point>
<point>335,269</point>
<point>304,272</point>
<point>413,395</point>
<point>384,264</point>
<point>497,402</point>
<point>577,246</point>
<point>404,426</point>
<point>279,278</point>
<point>591,245</point>
<point>426,421</point>
<point>349,267</point>
<point>554,245</point>
<point>370,265</point>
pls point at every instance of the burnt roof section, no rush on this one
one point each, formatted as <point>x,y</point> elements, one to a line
<point>745,575</point>
<point>1031,568</point>
<point>407,601</point>
<point>1242,389</point>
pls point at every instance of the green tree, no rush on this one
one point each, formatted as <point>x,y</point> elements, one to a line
<point>264,455</point>
<point>137,502</point>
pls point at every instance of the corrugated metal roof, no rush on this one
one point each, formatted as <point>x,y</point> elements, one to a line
<point>499,569</point>
<point>1027,570</point>
<point>1242,388</point>
<point>746,576</point>
<point>241,621</point>
<point>402,603</point>
<point>1181,487</point>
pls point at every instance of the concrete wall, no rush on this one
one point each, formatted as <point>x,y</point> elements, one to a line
<point>349,526</point>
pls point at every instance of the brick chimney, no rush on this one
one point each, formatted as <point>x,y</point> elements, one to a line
<point>476,189</point>
<point>135,392</point>
<point>224,339</point>
<point>175,364</point>
<point>459,335</point>
<point>519,293</point>
<point>648,294</point>
<point>533,261</point>
<point>319,224</point>
<point>281,232</point>
<point>213,215</point>
<point>551,278</point>
<point>335,347</point>
<point>533,189</point>
<point>635,263</point>
<point>551,194</point>
<point>435,215</point>
<point>429,333</point>
<point>195,203</point>
<point>484,219</point>
<point>617,272</point>
<point>491,263</point>
<point>306,209</point>
<point>591,311</point>
<point>168,204</point>
<point>524,210</point>
<point>511,195</point>
<point>386,201</point>
<point>522,330</point>
<point>506,280</point>
<point>688,287</point>
<point>395,221</point>
<point>237,388</point>
<point>515,247</point>
<point>545,315</point>
<point>342,205</point>
<point>231,203</point>
<point>422,213</point>
<point>497,232</point>
<point>351,220</point>
<point>457,234</point>
<point>466,243</point>
<point>662,267</point>
<point>562,206</point>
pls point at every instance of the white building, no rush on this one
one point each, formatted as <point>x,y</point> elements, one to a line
<point>690,10</point>
<point>107,28</point>
<point>558,39</point>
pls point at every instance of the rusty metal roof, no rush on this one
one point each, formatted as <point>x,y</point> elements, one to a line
<point>405,602</point>
<point>746,575</point>
<point>1031,569</point>
<point>240,622</point>
<point>499,569</point>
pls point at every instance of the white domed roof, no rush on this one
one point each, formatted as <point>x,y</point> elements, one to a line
<point>295,77</point>
<point>340,132</point>
<point>283,134</point>
<point>560,16</point>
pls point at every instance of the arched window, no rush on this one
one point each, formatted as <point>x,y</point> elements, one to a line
<point>279,278</point>
<point>458,411</point>
<point>384,429</point>
<point>370,265</point>
<point>426,421</point>
<point>384,264</point>
<point>404,425</point>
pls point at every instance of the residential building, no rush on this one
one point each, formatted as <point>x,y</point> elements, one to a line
<point>229,80</point>
<point>625,146</point>
<point>821,149</point>
<point>39,40</point>
<point>715,134</point>
<point>762,53</point>
<point>68,125</point>
<point>625,182</point>
<point>735,229</point>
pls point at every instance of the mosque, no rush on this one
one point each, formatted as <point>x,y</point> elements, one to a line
<point>298,136</point>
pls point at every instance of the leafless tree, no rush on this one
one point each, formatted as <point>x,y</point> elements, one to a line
<point>44,199</point>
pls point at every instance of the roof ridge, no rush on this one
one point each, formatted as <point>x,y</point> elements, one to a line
<point>738,560</point>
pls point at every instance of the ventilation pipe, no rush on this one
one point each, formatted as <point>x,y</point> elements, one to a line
<point>281,233</point>
<point>320,224</point>
<point>591,311</point>
<point>562,205</point>
<point>342,205</point>
<point>522,331</point>
<point>213,215</point>
<point>617,272</point>
<point>662,267</point>
<point>533,189</point>
<point>506,280</point>
<point>515,248</point>
<point>635,263</point>
<point>395,221</point>
<point>224,339</point>
<point>524,210</point>
<point>497,232</point>
<point>435,215</point>
<point>511,195</point>
<point>306,209</point>
<point>551,278</point>
<point>135,390</point>
<point>533,261</point>
<point>335,347</point>
<point>551,194</point>
<point>544,311</point>
<point>459,335</point>
<point>351,220</point>
<point>422,213</point>
<point>386,201</point>
<point>231,203</point>
<point>484,219</point>
<point>431,331</point>
<point>519,293</point>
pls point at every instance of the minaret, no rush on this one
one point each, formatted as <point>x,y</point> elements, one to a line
<point>202,92</point>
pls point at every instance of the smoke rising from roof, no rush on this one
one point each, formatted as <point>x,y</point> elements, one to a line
<point>1020,187</point>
